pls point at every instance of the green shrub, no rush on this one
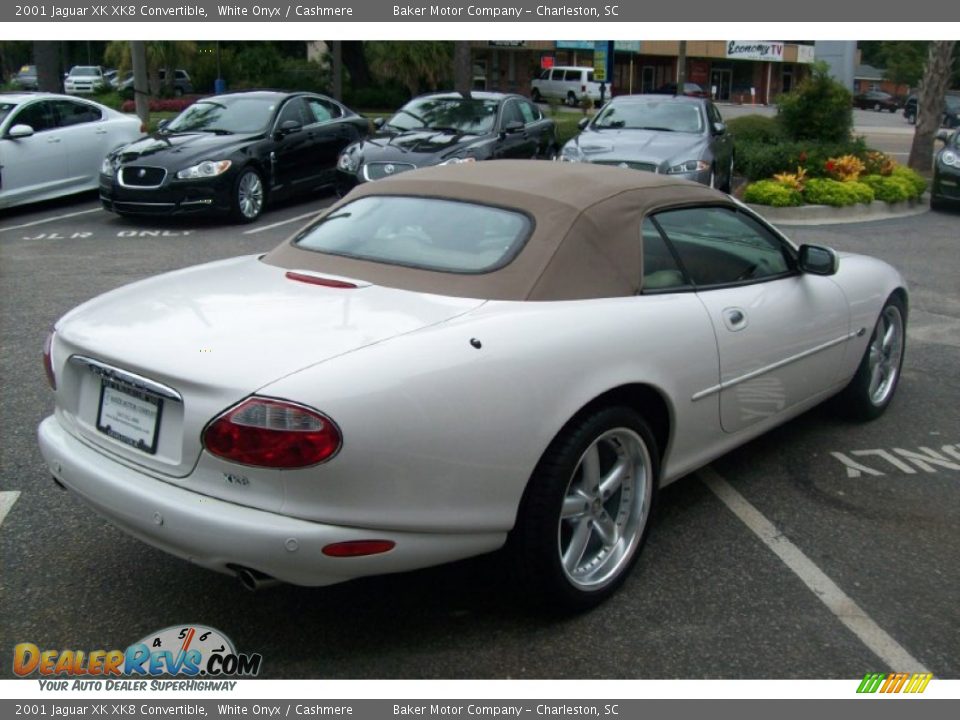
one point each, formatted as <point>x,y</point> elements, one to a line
<point>917,183</point>
<point>770,192</point>
<point>822,191</point>
<point>888,188</point>
<point>759,160</point>
<point>820,109</point>
<point>756,128</point>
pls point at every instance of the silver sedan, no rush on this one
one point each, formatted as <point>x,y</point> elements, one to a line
<point>680,136</point>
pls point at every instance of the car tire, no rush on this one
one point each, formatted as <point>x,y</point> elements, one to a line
<point>535,96</point>
<point>585,513</point>
<point>249,196</point>
<point>937,204</point>
<point>572,99</point>
<point>873,386</point>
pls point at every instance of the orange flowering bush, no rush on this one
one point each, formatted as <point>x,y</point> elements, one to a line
<point>878,163</point>
<point>846,168</point>
<point>794,181</point>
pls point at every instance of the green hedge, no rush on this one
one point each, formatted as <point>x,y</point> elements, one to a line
<point>917,182</point>
<point>822,191</point>
<point>770,192</point>
<point>757,160</point>
<point>755,128</point>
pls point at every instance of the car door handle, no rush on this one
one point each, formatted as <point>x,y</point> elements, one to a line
<point>53,140</point>
<point>101,131</point>
<point>734,318</point>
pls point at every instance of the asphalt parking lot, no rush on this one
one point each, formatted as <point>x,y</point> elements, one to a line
<point>873,508</point>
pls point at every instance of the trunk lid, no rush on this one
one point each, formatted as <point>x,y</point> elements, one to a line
<point>212,335</point>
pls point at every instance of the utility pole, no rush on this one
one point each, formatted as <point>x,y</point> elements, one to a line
<point>141,95</point>
<point>337,70</point>
<point>681,68</point>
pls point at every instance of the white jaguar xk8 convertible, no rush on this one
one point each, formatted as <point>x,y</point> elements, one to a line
<point>454,359</point>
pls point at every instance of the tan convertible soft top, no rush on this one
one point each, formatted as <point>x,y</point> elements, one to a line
<point>585,241</point>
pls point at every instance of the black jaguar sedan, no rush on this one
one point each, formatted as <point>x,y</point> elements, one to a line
<point>447,128</point>
<point>231,154</point>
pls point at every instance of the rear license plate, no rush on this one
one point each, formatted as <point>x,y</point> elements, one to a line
<point>129,415</point>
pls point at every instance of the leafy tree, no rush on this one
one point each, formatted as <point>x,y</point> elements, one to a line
<point>819,109</point>
<point>415,64</point>
<point>167,55</point>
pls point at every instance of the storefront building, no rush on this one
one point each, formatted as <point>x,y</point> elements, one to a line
<point>745,72</point>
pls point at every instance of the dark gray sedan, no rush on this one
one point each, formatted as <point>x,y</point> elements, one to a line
<point>680,136</point>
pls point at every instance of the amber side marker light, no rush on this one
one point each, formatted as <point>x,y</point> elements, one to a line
<point>358,548</point>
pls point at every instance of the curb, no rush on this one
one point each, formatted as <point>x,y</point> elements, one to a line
<point>827,215</point>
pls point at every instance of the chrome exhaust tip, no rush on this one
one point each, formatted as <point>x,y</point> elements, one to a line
<point>254,580</point>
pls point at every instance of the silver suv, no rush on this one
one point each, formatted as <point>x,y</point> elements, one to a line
<point>567,84</point>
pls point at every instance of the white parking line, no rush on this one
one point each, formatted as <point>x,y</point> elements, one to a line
<point>837,601</point>
<point>50,219</point>
<point>282,222</point>
<point>7,499</point>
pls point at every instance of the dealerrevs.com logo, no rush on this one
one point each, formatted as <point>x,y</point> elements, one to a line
<point>191,651</point>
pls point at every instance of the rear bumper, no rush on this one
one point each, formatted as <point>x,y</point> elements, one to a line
<point>216,534</point>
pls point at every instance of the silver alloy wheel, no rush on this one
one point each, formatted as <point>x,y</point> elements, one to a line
<point>885,353</point>
<point>605,509</point>
<point>250,195</point>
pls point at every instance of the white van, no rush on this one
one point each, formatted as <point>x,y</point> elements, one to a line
<point>568,84</point>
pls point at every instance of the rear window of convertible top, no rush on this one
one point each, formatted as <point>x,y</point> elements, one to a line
<point>420,232</point>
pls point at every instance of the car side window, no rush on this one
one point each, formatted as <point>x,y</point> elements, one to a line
<point>545,75</point>
<point>292,110</point>
<point>39,115</point>
<point>661,271</point>
<point>530,113</point>
<point>322,110</point>
<point>721,246</point>
<point>70,113</point>
<point>572,76</point>
<point>511,113</point>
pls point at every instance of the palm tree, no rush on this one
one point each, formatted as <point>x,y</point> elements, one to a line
<point>933,87</point>
<point>412,63</point>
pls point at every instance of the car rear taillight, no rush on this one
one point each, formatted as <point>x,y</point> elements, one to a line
<point>358,548</point>
<point>272,433</point>
<point>48,360</point>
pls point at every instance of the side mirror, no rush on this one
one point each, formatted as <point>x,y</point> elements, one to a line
<point>583,122</point>
<point>719,128</point>
<point>513,126</point>
<point>818,260</point>
<point>942,135</point>
<point>289,127</point>
<point>20,131</point>
<point>379,122</point>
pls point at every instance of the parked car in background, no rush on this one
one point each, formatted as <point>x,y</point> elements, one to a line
<point>951,110</point>
<point>53,145</point>
<point>667,134</point>
<point>570,85</point>
<point>876,100</point>
<point>232,154</point>
<point>84,80</point>
<point>26,78</point>
<point>689,90</point>
<point>453,360</point>
<point>111,78</point>
<point>945,189</point>
<point>182,84</point>
<point>447,128</point>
